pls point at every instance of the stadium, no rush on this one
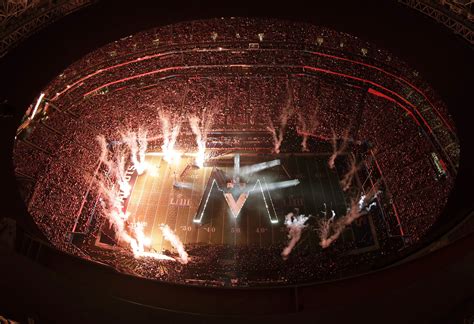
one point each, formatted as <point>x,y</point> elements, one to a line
<point>230,157</point>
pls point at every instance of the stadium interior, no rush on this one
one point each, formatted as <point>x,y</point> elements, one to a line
<point>237,162</point>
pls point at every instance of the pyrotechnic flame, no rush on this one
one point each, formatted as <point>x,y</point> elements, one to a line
<point>277,137</point>
<point>169,235</point>
<point>200,128</point>
<point>137,143</point>
<point>117,218</point>
<point>201,143</point>
<point>169,139</point>
<point>306,125</point>
<point>103,149</point>
<point>114,210</point>
<point>338,226</point>
<point>304,143</point>
<point>142,144</point>
<point>201,155</point>
<point>358,208</point>
<point>295,225</point>
<point>324,229</point>
<point>141,241</point>
<point>124,185</point>
<point>279,134</point>
<point>171,156</point>
<point>116,165</point>
<point>152,170</point>
<point>346,181</point>
<point>338,151</point>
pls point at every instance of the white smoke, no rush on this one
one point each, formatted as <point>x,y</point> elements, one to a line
<point>137,143</point>
<point>170,134</point>
<point>200,127</point>
<point>170,236</point>
<point>141,241</point>
<point>278,134</point>
<point>130,233</point>
<point>114,195</point>
<point>328,226</point>
<point>200,130</point>
<point>346,180</point>
<point>357,209</point>
<point>338,150</point>
<point>295,225</point>
<point>116,163</point>
<point>307,124</point>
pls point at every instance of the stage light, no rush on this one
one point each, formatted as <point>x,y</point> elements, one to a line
<point>254,168</point>
<point>38,102</point>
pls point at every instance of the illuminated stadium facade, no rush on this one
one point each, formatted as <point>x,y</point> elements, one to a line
<point>237,152</point>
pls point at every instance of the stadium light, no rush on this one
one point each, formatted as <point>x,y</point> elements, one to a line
<point>38,102</point>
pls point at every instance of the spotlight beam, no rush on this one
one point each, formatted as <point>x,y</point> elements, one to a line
<point>282,184</point>
<point>254,168</point>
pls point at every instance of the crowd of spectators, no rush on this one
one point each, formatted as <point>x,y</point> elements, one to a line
<point>142,47</point>
<point>61,151</point>
<point>241,266</point>
<point>403,155</point>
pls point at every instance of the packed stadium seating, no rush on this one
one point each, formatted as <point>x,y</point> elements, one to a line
<point>186,68</point>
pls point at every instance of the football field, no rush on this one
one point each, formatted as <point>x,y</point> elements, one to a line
<point>155,200</point>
